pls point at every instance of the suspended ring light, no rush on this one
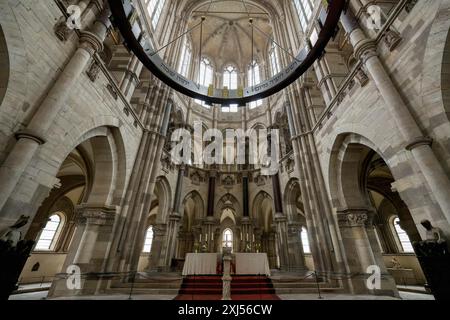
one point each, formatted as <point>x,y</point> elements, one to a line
<point>328,22</point>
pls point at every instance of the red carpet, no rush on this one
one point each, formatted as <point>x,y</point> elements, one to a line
<point>242,288</point>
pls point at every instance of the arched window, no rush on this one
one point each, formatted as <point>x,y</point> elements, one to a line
<point>205,77</point>
<point>274,60</point>
<point>155,9</point>
<point>230,80</point>
<point>48,237</point>
<point>305,241</point>
<point>227,240</point>
<point>405,243</point>
<point>148,240</point>
<point>254,78</point>
<point>304,10</point>
<point>185,60</point>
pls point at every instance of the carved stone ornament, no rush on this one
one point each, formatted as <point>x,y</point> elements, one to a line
<point>61,30</point>
<point>362,77</point>
<point>93,71</point>
<point>392,39</point>
<point>353,219</point>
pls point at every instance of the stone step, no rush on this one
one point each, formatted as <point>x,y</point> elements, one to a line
<point>147,291</point>
<point>147,285</point>
<point>307,290</point>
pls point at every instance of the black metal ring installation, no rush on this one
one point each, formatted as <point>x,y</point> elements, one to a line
<point>142,48</point>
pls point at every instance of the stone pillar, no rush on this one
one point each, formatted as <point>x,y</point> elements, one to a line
<point>245,200</point>
<point>171,238</point>
<point>155,257</point>
<point>356,241</point>
<point>35,134</point>
<point>295,247</point>
<point>282,240</point>
<point>417,143</point>
<point>91,253</point>
<point>281,224</point>
<point>211,194</point>
<point>175,218</point>
<point>127,245</point>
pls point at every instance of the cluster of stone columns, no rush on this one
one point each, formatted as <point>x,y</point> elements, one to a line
<point>35,133</point>
<point>418,144</point>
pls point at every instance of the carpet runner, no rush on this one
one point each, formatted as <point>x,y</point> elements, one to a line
<point>242,288</point>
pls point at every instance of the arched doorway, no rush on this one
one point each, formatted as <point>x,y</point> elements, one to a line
<point>362,191</point>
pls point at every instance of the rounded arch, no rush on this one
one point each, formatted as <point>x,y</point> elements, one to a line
<point>347,154</point>
<point>15,64</point>
<point>105,136</point>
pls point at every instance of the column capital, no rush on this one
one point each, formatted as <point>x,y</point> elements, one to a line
<point>280,217</point>
<point>159,229</point>
<point>419,142</point>
<point>175,216</point>
<point>365,49</point>
<point>355,217</point>
<point>27,134</point>
<point>90,42</point>
<point>96,215</point>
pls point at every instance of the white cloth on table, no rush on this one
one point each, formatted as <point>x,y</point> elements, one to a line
<point>252,264</point>
<point>200,264</point>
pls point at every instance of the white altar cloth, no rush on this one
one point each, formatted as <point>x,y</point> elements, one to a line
<point>200,264</point>
<point>252,264</point>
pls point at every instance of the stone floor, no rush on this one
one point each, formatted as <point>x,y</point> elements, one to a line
<point>404,296</point>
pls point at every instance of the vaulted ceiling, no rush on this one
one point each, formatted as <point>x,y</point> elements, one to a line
<point>227,33</point>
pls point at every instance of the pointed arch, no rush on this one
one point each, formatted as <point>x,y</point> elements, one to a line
<point>163,198</point>
<point>262,210</point>
<point>228,201</point>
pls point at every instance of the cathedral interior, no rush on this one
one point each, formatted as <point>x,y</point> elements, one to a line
<point>95,96</point>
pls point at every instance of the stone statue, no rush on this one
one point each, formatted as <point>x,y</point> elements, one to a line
<point>432,234</point>
<point>12,234</point>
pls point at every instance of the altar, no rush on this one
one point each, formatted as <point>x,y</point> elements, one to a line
<point>210,264</point>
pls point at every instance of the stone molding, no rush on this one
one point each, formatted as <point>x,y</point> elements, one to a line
<point>419,142</point>
<point>27,134</point>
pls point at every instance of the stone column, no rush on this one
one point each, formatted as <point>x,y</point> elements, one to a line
<point>29,140</point>
<point>127,245</point>
<point>281,224</point>
<point>295,247</point>
<point>159,236</point>
<point>417,143</point>
<point>90,254</point>
<point>172,237</point>
<point>353,224</point>
<point>211,194</point>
